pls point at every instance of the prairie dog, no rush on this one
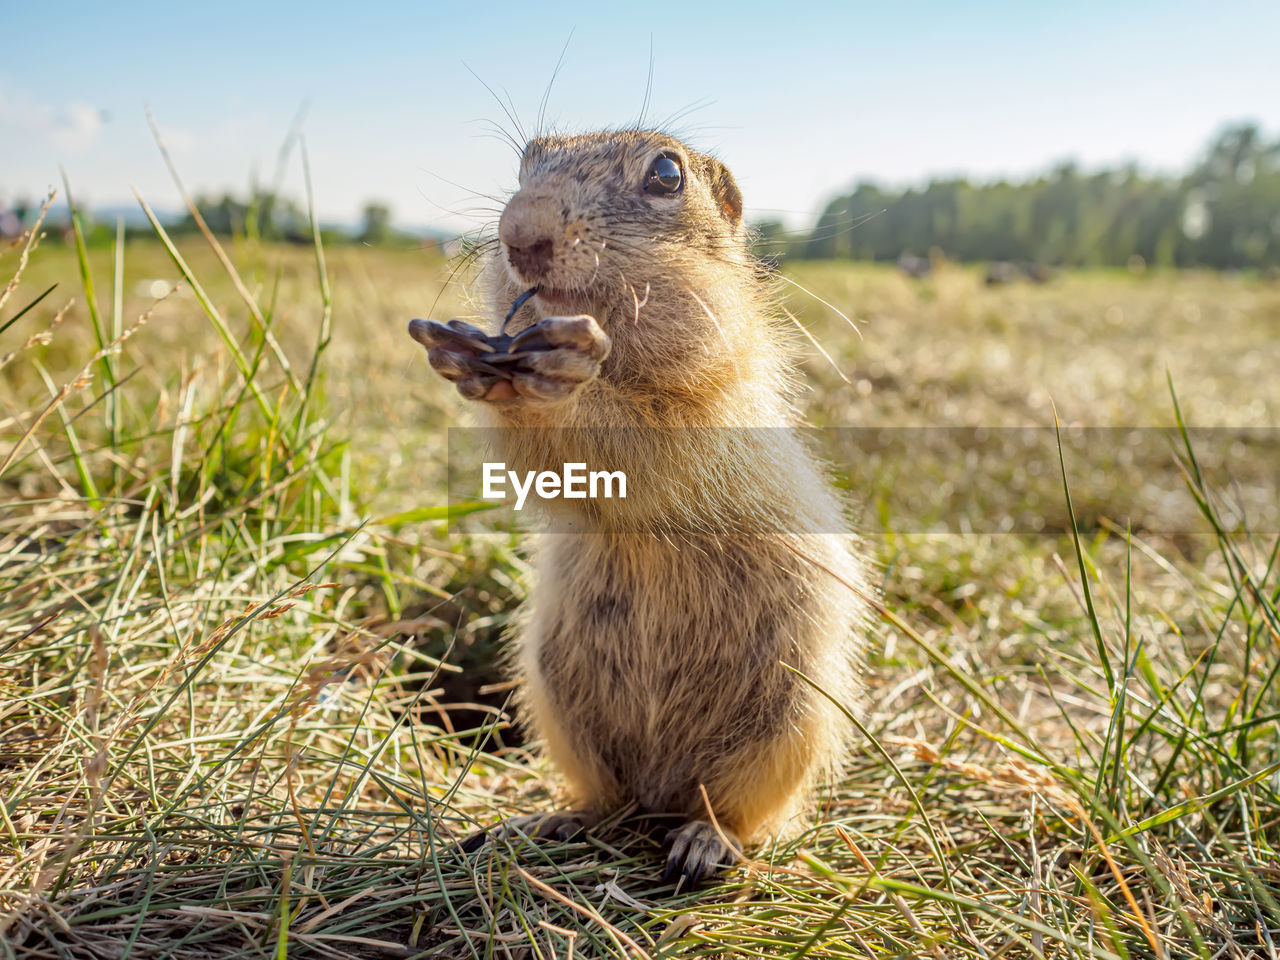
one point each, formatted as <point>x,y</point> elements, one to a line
<point>653,645</point>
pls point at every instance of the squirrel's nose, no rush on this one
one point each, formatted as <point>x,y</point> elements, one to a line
<point>528,228</point>
<point>532,260</point>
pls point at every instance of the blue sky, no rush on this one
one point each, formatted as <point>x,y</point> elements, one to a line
<point>801,100</point>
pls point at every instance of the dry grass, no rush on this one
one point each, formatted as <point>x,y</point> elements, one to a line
<point>235,633</point>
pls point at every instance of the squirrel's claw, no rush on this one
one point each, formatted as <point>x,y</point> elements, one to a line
<point>455,333</point>
<point>580,333</point>
<point>563,825</point>
<point>545,362</point>
<point>699,851</point>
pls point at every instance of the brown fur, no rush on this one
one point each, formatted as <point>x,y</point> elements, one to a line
<point>652,648</point>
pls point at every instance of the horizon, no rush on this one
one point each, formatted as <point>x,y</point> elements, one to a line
<point>395,117</point>
<point>131,212</point>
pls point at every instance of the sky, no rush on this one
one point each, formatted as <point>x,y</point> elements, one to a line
<point>801,100</point>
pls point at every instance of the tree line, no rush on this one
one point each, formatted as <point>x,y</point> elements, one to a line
<point>267,216</point>
<point>1224,213</point>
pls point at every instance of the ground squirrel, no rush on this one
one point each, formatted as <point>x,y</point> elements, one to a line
<point>653,646</point>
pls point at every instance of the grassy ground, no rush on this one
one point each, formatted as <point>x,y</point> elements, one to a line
<point>246,670</point>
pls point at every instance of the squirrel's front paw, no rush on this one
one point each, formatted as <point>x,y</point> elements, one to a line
<point>556,356</point>
<point>457,351</point>
<point>547,361</point>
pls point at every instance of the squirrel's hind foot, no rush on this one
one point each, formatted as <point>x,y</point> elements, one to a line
<point>553,825</point>
<point>699,850</point>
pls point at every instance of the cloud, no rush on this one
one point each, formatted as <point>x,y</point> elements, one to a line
<point>179,139</point>
<point>76,127</point>
<point>72,127</point>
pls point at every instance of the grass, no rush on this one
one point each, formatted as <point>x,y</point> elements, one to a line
<point>246,672</point>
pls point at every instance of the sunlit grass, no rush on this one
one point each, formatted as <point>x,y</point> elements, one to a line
<point>234,633</point>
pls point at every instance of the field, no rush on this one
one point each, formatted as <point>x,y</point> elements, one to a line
<point>247,685</point>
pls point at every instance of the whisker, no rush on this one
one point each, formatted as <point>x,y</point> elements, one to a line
<point>814,341</point>
<point>496,132</point>
<point>508,108</point>
<point>835,229</point>
<point>473,212</point>
<point>711,315</point>
<point>707,250</point>
<point>466,213</point>
<point>546,94</point>
<point>826,303</point>
<point>786,238</point>
<point>648,88</point>
<point>501,201</point>
<point>467,258</point>
<point>683,112</point>
<point>639,252</point>
<point>638,302</point>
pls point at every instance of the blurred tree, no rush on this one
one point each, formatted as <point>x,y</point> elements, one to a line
<point>772,242</point>
<point>1225,213</point>
<point>376,221</point>
<point>265,215</point>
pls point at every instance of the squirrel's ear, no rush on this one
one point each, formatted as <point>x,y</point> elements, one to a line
<point>724,191</point>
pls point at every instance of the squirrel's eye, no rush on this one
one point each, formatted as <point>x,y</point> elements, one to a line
<point>664,177</point>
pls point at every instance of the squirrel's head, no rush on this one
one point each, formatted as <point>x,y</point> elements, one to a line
<point>604,221</point>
